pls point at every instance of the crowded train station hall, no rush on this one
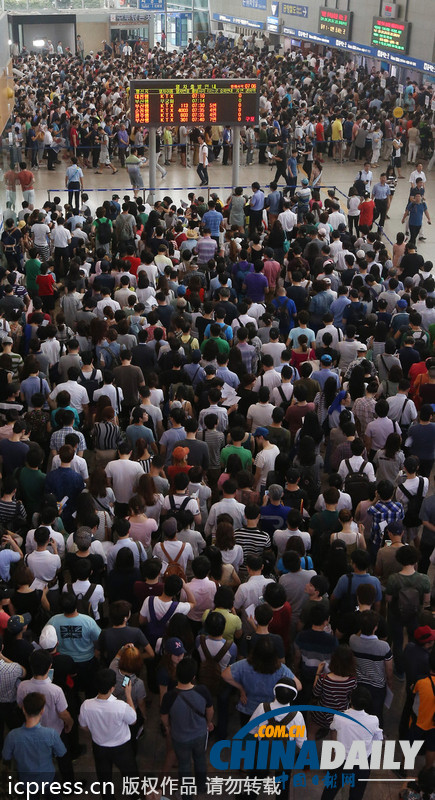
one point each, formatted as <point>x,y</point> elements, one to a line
<point>217,400</point>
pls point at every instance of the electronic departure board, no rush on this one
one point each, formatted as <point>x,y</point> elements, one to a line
<point>334,22</point>
<point>214,102</point>
<point>392,34</point>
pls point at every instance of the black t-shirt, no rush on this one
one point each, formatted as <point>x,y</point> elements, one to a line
<point>410,265</point>
<point>299,296</point>
<point>64,671</point>
<point>112,639</point>
<point>18,650</point>
<point>96,561</point>
<point>293,499</point>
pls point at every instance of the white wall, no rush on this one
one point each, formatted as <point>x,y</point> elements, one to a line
<point>63,31</point>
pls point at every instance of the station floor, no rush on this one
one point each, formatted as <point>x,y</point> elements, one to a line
<point>180,180</point>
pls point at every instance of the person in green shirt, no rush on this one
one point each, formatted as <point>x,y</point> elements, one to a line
<point>32,268</point>
<point>236,448</point>
<point>222,344</point>
<point>32,482</point>
<point>132,164</point>
<point>100,222</point>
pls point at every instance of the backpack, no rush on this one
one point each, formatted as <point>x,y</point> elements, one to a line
<point>284,402</point>
<point>84,600</point>
<point>175,509</point>
<point>359,185</point>
<point>155,628</point>
<point>408,603</point>
<point>174,567</point>
<point>357,484</point>
<point>411,518</point>
<point>104,232</point>
<point>308,484</point>
<point>277,723</point>
<point>210,674</point>
<point>90,384</point>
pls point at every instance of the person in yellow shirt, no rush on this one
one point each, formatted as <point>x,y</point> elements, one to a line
<point>337,138</point>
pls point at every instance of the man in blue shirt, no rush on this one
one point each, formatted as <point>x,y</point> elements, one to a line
<point>213,219</point>
<point>65,482</point>
<point>415,210</point>
<point>325,372</point>
<point>337,306</point>
<point>292,169</point>
<point>273,203</point>
<point>381,194</point>
<point>256,205</point>
<point>33,747</point>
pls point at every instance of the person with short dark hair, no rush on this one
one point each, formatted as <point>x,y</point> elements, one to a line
<point>108,720</point>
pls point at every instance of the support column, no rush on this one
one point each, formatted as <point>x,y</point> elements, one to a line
<point>152,156</point>
<point>236,157</point>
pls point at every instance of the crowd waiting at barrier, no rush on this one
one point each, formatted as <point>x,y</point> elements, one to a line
<point>217,433</point>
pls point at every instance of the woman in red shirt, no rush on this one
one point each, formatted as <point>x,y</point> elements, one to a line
<point>46,286</point>
<point>302,352</point>
<point>366,209</point>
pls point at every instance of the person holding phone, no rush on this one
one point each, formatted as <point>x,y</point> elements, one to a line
<point>127,666</point>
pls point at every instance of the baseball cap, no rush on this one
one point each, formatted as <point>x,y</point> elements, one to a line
<point>7,340</point>
<point>175,646</point>
<point>360,254</point>
<point>326,359</point>
<point>18,622</point>
<point>181,291</point>
<point>401,304</point>
<point>304,181</point>
<point>326,280</point>
<point>48,638</point>
<point>362,347</point>
<point>424,634</point>
<point>261,432</point>
<point>180,452</point>
<point>322,231</point>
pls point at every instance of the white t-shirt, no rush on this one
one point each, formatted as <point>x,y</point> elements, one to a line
<point>107,720</point>
<point>251,592</point>
<point>161,607</point>
<point>172,549</point>
<point>58,538</point>
<point>78,464</point>
<point>349,731</point>
<point>60,236</point>
<point>280,539</point>
<point>124,475</point>
<point>44,566</point>
<point>97,596</point>
<point>178,499</point>
<point>411,485</point>
<point>355,463</point>
<point>266,461</point>
<point>78,394</point>
<point>113,393</point>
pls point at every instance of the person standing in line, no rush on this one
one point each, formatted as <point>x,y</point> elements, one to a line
<point>74,183</point>
<point>203,162</point>
<point>108,720</point>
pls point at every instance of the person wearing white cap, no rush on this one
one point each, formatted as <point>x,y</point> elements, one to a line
<point>285,693</point>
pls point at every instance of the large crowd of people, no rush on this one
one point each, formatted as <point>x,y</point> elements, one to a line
<point>217,434</point>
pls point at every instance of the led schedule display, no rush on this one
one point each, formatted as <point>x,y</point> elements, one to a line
<point>335,23</point>
<point>391,33</point>
<point>168,102</point>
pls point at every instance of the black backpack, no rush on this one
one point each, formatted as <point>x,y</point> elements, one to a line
<point>104,232</point>
<point>357,484</point>
<point>90,384</point>
<point>408,604</point>
<point>285,403</point>
<point>412,518</point>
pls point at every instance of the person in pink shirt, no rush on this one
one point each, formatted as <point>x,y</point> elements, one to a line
<point>271,269</point>
<point>203,590</point>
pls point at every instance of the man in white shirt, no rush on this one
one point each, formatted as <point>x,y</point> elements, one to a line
<point>123,474</point>
<point>106,301</point>
<point>91,593</point>
<point>108,720</point>
<point>270,378</point>
<point>251,592</point>
<point>417,173</point>
<point>401,408</point>
<point>281,537</point>
<point>265,460</point>
<point>274,347</point>
<point>287,218</point>
<point>366,175</point>
<point>61,239</point>
<point>114,393</point>
<point>260,414</point>
<point>413,485</point>
<point>78,464</point>
<point>336,218</point>
<point>356,461</point>
<point>228,505</point>
<point>355,725</point>
<point>54,536</point>
<point>78,394</point>
<point>44,565</point>
<point>337,335</point>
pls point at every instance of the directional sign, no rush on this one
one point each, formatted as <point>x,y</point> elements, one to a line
<point>274,9</point>
<point>294,10</point>
<point>152,5</point>
<point>261,4</point>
